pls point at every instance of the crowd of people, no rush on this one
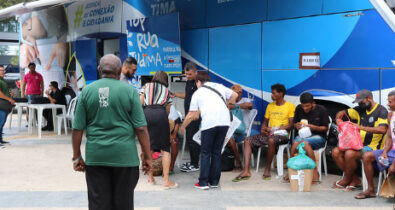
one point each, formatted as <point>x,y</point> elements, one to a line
<point>113,113</point>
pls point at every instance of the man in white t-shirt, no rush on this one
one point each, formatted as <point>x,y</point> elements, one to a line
<point>210,100</point>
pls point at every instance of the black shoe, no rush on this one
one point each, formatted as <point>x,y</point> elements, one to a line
<point>47,128</point>
<point>4,142</point>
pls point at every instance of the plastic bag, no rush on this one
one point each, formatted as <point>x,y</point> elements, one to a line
<point>349,137</point>
<point>302,161</point>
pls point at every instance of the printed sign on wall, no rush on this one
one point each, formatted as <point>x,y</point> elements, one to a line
<point>155,43</point>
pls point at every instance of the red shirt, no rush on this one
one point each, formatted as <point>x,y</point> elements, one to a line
<point>32,82</point>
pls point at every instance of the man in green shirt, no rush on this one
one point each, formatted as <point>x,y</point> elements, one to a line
<point>5,95</point>
<point>110,111</point>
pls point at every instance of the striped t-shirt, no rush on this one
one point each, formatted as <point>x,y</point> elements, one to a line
<point>156,94</point>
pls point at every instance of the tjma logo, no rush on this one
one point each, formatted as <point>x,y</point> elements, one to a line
<point>78,16</point>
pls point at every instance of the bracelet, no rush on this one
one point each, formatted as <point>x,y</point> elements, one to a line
<point>77,159</point>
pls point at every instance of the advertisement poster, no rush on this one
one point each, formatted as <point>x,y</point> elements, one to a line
<point>155,43</point>
<point>43,41</point>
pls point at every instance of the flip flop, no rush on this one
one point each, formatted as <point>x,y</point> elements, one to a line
<point>267,178</point>
<point>350,188</point>
<point>363,195</point>
<point>285,179</point>
<point>171,172</point>
<point>241,178</point>
<point>336,185</point>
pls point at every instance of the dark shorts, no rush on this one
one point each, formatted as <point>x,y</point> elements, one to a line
<point>390,155</point>
<point>261,140</point>
<point>158,127</point>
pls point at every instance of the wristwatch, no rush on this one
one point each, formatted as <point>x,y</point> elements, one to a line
<point>76,159</point>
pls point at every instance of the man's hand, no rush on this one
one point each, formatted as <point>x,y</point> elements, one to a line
<point>147,165</point>
<point>298,125</point>
<point>79,166</point>
<point>12,101</point>
<point>47,92</point>
<point>265,130</point>
<point>231,106</point>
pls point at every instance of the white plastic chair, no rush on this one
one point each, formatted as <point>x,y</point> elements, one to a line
<point>279,158</point>
<point>322,159</point>
<point>249,117</point>
<point>69,116</point>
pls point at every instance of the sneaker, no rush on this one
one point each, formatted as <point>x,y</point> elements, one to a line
<point>190,168</point>
<point>201,187</point>
<point>214,186</point>
<point>4,142</point>
<point>186,164</point>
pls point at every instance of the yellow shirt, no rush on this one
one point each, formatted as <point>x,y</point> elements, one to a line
<point>279,115</point>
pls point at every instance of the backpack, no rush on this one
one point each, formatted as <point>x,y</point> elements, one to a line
<point>227,159</point>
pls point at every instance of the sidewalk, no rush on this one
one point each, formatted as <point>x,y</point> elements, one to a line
<point>37,174</point>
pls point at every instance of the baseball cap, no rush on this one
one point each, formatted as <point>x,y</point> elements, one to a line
<point>361,95</point>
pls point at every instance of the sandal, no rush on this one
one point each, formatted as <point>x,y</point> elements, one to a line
<point>336,185</point>
<point>350,188</point>
<point>170,187</point>
<point>267,178</point>
<point>364,195</point>
<point>241,178</point>
<point>316,182</point>
<point>285,179</point>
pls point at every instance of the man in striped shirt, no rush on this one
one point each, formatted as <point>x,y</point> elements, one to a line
<point>371,119</point>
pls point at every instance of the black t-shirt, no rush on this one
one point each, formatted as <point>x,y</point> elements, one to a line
<point>59,97</point>
<point>318,116</point>
<point>190,88</point>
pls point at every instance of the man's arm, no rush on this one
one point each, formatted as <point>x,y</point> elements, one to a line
<point>42,88</point>
<point>247,105</point>
<point>289,126</point>
<point>143,137</point>
<point>264,129</point>
<point>5,97</point>
<point>388,141</point>
<point>339,116</point>
<point>232,98</point>
<point>23,89</point>
<point>376,130</point>
<point>76,142</point>
<point>179,95</point>
<point>192,115</point>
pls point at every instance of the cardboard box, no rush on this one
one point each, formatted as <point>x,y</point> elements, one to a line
<point>300,180</point>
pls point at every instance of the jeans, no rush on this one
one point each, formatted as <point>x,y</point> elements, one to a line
<point>210,155</point>
<point>3,119</point>
<point>315,141</point>
<point>194,148</point>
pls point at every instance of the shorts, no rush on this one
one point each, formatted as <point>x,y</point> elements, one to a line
<point>239,137</point>
<point>261,140</point>
<point>315,141</point>
<point>390,155</point>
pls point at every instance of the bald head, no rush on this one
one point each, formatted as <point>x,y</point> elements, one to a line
<point>110,65</point>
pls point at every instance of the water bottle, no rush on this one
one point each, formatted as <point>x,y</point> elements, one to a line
<point>384,161</point>
<point>29,101</point>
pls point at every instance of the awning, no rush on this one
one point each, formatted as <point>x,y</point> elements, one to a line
<point>26,7</point>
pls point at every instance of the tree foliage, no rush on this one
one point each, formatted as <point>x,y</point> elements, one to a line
<point>8,3</point>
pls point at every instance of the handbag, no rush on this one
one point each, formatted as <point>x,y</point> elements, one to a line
<point>219,94</point>
<point>5,105</point>
<point>387,190</point>
<point>349,136</point>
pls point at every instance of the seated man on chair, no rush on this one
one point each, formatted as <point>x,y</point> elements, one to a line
<point>56,97</point>
<point>388,153</point>
<point>278,117</point>
<point>371,119</point>
<point>239,134</point>
<point>315,117</point>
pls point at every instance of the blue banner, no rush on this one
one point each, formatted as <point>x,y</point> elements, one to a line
<point>155,43</point>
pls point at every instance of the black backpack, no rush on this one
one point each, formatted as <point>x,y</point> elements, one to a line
<point>227,159</point>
